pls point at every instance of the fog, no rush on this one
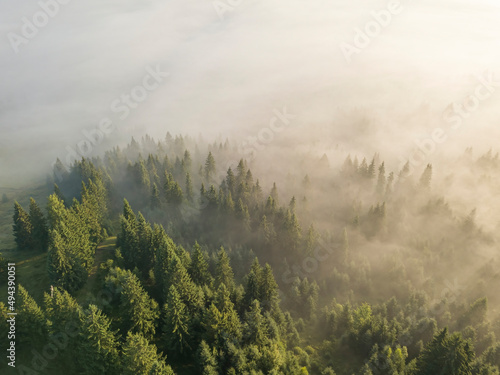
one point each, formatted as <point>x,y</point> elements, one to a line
<point>368,131</point>
<point>229,71</point>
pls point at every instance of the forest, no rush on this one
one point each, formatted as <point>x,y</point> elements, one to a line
<point>183,256</point>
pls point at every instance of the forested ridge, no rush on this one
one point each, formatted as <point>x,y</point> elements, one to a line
<point>220,267</point>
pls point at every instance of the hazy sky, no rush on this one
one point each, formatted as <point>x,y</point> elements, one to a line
<point>228,74</point>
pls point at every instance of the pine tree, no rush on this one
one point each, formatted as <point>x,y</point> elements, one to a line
<point>177,275</point>
<point>155,202</point>
<point>210,169</point>
<point>241,172</point>
<point>228,205</point>
<point>269,289</point>
<point>425,179</point>
<point>189,188</point>
<point>65,268</point>
<point>187,162</point>
<point>40,231</point>
<point>252,288</point>
<point>243,214</point>
<point>446,355</point>
<point>139,357</point>
<point>139,311</point>
<point>224,272</point>
<point>207,360</point>
<point>371,169</point>
<point>98,347</point>
<point>176,325</point>
<point>62,310</point>
<point>255,331</point>
<point>231,182</point>
<point>23,229</point>
<point>60,171</point>
<point>274,195</point>
<point>145,246</point>
<point>31,323</point>
<point>229,324</point>
<point>128,239</point>
<point>381,182</point>
<point>141,176</point>
<point>199,267</point>
<point>56,212</point>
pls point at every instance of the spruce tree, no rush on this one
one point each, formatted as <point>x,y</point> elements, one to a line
<point>230,320</point>
<point>23,229</point>
<point>198,268</point>
<point>155,202</point>
<point>31,322</point>
<point>189,188</point>
<point>207,360</point>
<point>139,357</point>
<point>255,331</point>
<point>210,168</point>
<point>446,355</point>
<point>224,272</point>
<point>139,311</point>
<point>269,289</point>
<point>177,275</point>
<point>97,344</point>
<point>176,322</point>
<point>230,181</point>
<point>40,231</point>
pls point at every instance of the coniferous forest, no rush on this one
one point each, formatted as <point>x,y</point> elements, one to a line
<point>185,256</point>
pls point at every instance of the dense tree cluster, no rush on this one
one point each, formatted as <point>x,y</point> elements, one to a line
<point>219,272</point>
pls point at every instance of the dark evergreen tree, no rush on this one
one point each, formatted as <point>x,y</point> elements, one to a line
<point>40,231</point>
<point>155,202</point>
<point>138,310</point>
<point>97,344</point>
<point>446,354</point>
<point>189,188</point>
<point>139,357</point>
<point>210,168</point>
<point>23,229</point>
<point>199,267</point>
<point>176,322</point>
<point>224,273</point>
<point>31,322</point>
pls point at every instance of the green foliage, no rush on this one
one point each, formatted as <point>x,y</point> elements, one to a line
<point>31,321</point>
<point>224,273</point>
<point>315,306</point>
<point>22,228</point>
<point>97,344</point>
<point>40,231</point>
<point>446,354</point>
<point>198,269</point>
<point>139,357</point>
<point>138,312</point>
<point>176,322</point>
